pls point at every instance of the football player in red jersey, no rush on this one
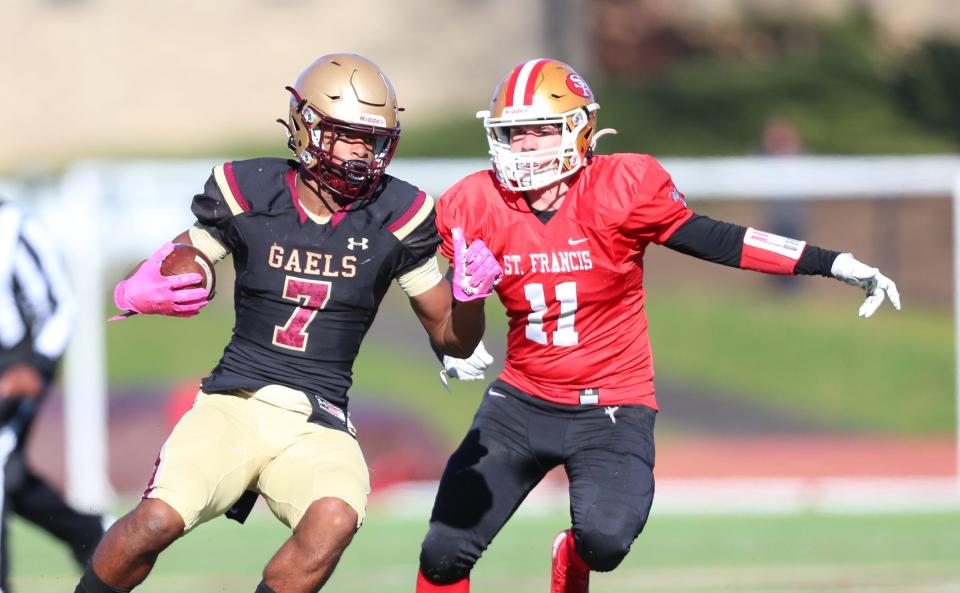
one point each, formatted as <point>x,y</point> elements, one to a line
<point>316,242</point>
<point>570,229</point>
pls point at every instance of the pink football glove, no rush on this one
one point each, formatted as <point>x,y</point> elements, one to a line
<point>475,269</point>
<point>150,292</point>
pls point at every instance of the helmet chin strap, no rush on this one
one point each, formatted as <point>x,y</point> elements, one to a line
<point>320,184</point>
<point>344,180</point>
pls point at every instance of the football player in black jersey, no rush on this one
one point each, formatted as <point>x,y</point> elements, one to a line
<point>316,242</point>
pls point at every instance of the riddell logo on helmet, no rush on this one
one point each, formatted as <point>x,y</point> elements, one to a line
<point>520,109</point>
<point>377,120</point>
<point>579,86</point>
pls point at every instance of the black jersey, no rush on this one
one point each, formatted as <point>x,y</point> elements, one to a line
<point>306,293</point>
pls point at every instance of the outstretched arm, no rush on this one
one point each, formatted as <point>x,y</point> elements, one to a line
<point>747,248</point>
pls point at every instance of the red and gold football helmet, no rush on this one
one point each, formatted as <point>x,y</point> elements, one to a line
<point>538,92</point>
<point>337,95</point>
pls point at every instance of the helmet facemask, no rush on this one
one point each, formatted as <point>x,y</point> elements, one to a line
<point>539,92</point>
<point>341,99</point>
<point>346,180</point>
<point>530,170</point>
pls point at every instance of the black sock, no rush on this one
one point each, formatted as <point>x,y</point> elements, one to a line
<point>264,588</point>
<point>91,583</point>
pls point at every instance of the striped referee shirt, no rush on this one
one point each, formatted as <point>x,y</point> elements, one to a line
<point>36,304</point>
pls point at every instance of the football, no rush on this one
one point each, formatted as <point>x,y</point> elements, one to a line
<point>185,259</point>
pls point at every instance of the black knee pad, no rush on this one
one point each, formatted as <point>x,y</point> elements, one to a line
<point>445,556</point>
<point>603,551</point>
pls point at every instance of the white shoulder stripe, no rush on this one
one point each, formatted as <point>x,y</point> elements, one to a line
<point>221,178</point>
<point>425,209</point>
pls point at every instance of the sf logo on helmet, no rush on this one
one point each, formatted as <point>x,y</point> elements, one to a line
<point>362,243</point>
<point>579,86</point>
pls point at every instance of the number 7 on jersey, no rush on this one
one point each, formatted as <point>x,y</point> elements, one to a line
<point>313,294</point>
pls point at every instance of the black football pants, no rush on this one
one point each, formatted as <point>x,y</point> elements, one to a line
<point>515,439</point>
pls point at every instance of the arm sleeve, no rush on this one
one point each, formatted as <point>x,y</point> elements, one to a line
<point>657,207</point>
<point>202,238</point>
<point>45,288</point>
<point>711,240</point>
<point>722,242</point>
<point>421,278</point>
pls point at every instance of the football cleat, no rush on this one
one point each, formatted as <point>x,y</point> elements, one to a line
<point>569,573</point>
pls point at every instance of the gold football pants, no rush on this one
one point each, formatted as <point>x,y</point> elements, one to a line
<point>227,444</point>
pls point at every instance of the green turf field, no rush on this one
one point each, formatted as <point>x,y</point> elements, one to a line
<point>743,554</point>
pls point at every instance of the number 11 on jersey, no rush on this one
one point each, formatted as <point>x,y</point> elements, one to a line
<point>566,295</point>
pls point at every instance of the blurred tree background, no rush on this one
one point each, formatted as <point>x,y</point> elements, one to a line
<point>677,89</point>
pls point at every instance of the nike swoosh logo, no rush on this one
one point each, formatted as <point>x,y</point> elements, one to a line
<point>575,241</point>
<point>495,393</point>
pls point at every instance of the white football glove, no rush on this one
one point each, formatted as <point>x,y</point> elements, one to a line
<point>875,284</point>
<point>466,369</point>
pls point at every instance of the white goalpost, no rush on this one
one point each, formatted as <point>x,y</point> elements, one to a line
<point>104,211</point>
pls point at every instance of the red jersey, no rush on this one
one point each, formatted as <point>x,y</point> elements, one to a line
<point>573,287</point>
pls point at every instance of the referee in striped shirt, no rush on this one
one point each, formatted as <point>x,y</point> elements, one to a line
<point>36,318</point>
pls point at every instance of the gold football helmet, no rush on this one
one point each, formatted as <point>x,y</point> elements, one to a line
<point>342,95</point>
<point>538,92</point>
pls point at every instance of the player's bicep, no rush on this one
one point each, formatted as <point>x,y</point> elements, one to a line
<point>205,239</point>
<point>711,240</point>
<point>421,278</point>
<point>432,307</point>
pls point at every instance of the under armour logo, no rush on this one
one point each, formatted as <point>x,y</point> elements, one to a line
<point>611,411</point>
<point>351,243</point>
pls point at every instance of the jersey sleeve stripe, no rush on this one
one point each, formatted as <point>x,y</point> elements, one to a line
<point>421,207</point>
<point>207,243</point>
<point>773,254</point>
<point>227,182</point>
